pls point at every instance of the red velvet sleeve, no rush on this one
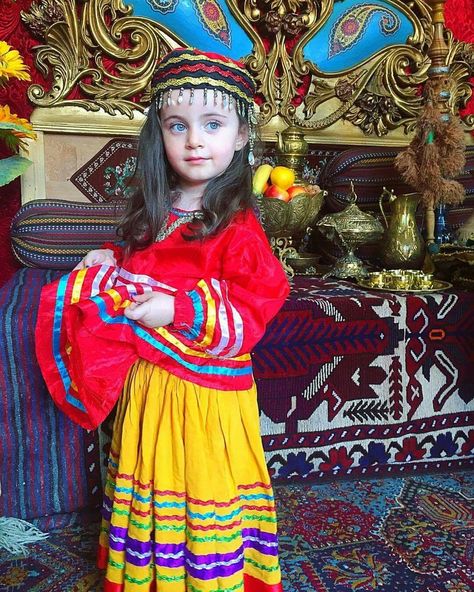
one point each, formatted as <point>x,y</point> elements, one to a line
<point>226,317</point>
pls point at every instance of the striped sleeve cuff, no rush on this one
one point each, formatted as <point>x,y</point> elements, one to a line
<point>185,315</point>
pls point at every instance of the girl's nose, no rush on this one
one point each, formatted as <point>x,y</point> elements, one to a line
<point>194,137</point>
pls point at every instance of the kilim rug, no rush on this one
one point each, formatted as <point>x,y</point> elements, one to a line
<point>387,535</point>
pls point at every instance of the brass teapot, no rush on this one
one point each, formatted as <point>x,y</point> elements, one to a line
<point>403,246</point>
<point>350,228</point>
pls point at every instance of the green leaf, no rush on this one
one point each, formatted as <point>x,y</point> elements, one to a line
<point>8,125</point>
<point>12,167</point>
<point>12,142</point>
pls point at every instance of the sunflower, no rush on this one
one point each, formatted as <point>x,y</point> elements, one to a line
<point>11,64</point>
<point>14,138</point>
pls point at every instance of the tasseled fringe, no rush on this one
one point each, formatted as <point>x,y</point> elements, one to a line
<point>15,534</point>
<point>436,153</point>
<point>452,148</point>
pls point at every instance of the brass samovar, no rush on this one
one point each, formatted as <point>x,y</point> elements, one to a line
<point>292,150</point>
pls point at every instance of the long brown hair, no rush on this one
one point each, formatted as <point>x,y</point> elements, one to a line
<point>153,183</point>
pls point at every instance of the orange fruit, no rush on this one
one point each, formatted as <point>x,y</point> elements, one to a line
<point>282,176</point>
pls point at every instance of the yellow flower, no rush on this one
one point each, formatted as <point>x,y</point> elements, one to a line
<point>14,138</point>
<point>13,129</point>
<point>11,64</point>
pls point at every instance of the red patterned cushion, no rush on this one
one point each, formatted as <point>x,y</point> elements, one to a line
<point>56,234</point>
<point>105,176</point>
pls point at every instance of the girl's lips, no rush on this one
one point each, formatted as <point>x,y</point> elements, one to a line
<point>196,159</point>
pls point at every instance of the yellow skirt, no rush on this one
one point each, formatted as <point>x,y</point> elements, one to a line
<point>188,504</point>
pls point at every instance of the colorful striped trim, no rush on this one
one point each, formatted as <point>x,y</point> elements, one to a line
<point>245,541</point>
<point>217,327</point>
<point>97,296</point>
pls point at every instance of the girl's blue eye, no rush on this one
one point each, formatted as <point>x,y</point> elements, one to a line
<point>214,125</point>
<point>177,127</point>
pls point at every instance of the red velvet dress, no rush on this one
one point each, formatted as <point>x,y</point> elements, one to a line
<point>188,504</point>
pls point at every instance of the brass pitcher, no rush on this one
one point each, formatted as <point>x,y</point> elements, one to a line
<point>403,246</point>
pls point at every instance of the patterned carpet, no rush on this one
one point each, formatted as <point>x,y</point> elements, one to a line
<point>388,535</point>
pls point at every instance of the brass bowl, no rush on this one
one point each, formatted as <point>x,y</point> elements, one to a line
<point>292,218</point>
<point>304,260</point>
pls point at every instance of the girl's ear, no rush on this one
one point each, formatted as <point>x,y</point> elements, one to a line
<point>242,137</point>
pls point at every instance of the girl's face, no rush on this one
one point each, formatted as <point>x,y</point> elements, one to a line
<point>200,140</point>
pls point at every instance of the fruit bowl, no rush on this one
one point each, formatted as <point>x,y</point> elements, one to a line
<point>292,218</point>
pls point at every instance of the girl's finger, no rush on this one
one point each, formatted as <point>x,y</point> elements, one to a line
<point>131,313</point>
<point>80,265</point>
<point>143,297</point>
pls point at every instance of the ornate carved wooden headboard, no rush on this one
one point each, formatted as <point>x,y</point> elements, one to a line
<point>347,72</point>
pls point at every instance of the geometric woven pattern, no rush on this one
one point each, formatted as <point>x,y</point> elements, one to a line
<point>56,234</point>
<point>358,382</point>
<point>104,177</point>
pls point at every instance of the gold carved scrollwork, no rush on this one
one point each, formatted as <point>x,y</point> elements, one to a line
<point>379,95</point>
<point>101,57</point>
<point>64,52</point>
<point>460,59</point>
<point>86,50</point>
<point>279,21</point>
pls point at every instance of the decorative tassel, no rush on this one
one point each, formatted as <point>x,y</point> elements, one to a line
<point>15,534</point>
<point>436,154</point>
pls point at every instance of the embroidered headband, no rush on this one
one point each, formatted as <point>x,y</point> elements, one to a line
<point>220,77</point>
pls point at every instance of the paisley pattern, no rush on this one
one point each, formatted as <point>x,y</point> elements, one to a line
<point>213,20</point>
<point>163,6</point>
<point>350,28</point>
<point>431,528</point>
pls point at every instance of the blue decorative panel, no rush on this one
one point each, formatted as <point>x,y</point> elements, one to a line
<point>354,32</point>
<point>205,24</point>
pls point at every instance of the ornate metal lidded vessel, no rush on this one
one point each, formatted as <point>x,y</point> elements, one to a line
<point>286,223</point>
<point>292,149</point>
<point>351,228</point>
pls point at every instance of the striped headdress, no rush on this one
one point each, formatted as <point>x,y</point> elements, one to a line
<point>186,68</point>
<point>220,78</point>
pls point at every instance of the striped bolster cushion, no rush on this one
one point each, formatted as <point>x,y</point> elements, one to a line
<point>49,466</point>
<point>56,234</point>
<point>371,169</point>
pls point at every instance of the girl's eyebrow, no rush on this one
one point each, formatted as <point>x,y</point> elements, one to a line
<point>203,116</point>
<point>179,117</point>
<point>215,114</point>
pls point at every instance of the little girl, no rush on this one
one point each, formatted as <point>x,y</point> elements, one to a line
<point>167,320</point>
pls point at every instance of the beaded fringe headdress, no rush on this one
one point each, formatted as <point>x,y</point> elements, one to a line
<point>221,78</point>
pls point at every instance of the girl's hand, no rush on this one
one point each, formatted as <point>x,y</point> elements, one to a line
<point>97,257</point>
<point>152,309</point>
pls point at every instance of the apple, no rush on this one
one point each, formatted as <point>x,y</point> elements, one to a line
<point>277,193</point>
<point>295,190</point>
